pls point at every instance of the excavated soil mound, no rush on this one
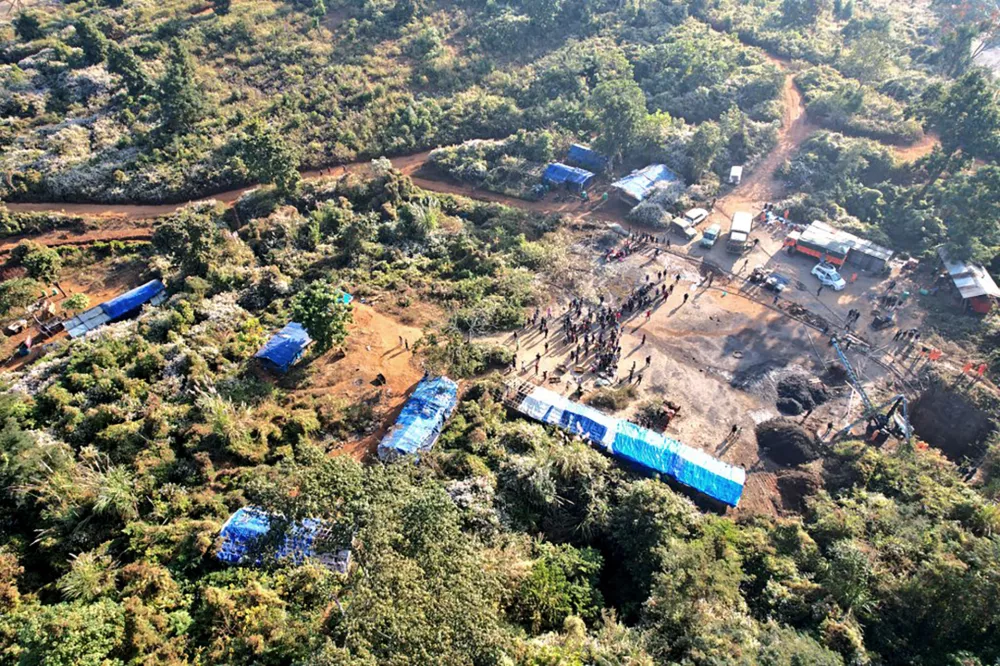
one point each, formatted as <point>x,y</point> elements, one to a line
<point>800,393</point>
<point>795,485</point>
<point>786,443</point>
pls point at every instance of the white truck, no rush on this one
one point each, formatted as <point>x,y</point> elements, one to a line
<point>739,232</point>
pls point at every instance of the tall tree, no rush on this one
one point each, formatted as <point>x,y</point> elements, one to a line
<point>181,99</point>
<point>123,62</point>
<point>321,309</point>
<point>92,41</point>
<point>28,26</point>
<point>268,157</point>
<point>620,107</point>
<point>967,118</point>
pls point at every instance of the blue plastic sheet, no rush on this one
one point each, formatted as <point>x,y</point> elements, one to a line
<point>686,465</point>
<point>285,347</point>
<point>422,418</point>
<point>129,302</point>
<point>558,173</point>
<point>583,156</point>
<point>245,529</point>
<point>639,184</point>
<point>625,440</point>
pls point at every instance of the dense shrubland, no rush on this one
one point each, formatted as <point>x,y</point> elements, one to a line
<point>508,544</point>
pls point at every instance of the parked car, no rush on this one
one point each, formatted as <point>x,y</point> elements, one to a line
<point>711,235</point>
<point>776,283</point>
<point>828,275</point>
<point>682,227</point>
<point>696,216</point>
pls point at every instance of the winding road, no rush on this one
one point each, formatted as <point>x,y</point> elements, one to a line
<point>130,222</point>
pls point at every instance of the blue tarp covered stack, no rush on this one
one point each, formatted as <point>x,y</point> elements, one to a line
<point>422,418</point>
<point>242,535</point>
<point>627,441</point>
<point>638,185</point>
<point>584,157</point>
<point>285,347</point>
<point>559,174</point>
<point>118,308</point>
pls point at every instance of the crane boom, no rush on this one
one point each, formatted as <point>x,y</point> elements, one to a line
<point>853,376</point>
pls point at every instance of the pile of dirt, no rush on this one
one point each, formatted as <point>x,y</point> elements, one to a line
<point>795,486</point>
<point>798,393</point>
<point>786,443</point>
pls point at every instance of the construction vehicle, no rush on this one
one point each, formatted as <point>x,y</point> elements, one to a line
<point>739,233</point>
<point>880,424</point>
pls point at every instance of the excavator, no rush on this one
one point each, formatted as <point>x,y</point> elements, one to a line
<point>889,419</point>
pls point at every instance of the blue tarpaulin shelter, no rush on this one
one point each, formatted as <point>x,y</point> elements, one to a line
<point>131,301</point>
<point>636,186</point>
<point>572,178</point>
<point>686,465</point>
<point>119,307</point>
<point>244,532</point>
<point>422,418</point>
<point>285,347</point>
<point>627,441</point>
<point>554,409</point>
<point>584,157</point>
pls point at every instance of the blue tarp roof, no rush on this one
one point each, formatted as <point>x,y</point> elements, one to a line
<point>587,158</point>
<point>130,301</point>
<point>558,173</point>
<point>286,346</point>
<point>687,465</point>
<point>242,532</point>
<point>628,441</point>
<point>554,409</point>
<point>248,525</point>
<point>422,418</point>
<point>638,184</point>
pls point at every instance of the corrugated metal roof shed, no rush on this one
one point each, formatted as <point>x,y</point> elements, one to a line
<point>971,280</point>
<point>639,184</point>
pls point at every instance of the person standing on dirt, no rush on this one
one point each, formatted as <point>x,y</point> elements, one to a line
<point>649,360</point>
<point>631,373</point>
<point>638,379</point>
<point>819,290</point>
<point>735,430</point>
<point>686,298</point>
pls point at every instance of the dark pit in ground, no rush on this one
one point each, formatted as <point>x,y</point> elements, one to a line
<point>949,419</point>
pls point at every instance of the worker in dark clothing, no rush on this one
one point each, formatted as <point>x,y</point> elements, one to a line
<point>686,297</point>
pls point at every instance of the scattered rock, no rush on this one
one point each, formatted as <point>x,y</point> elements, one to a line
<point>786,443</point>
